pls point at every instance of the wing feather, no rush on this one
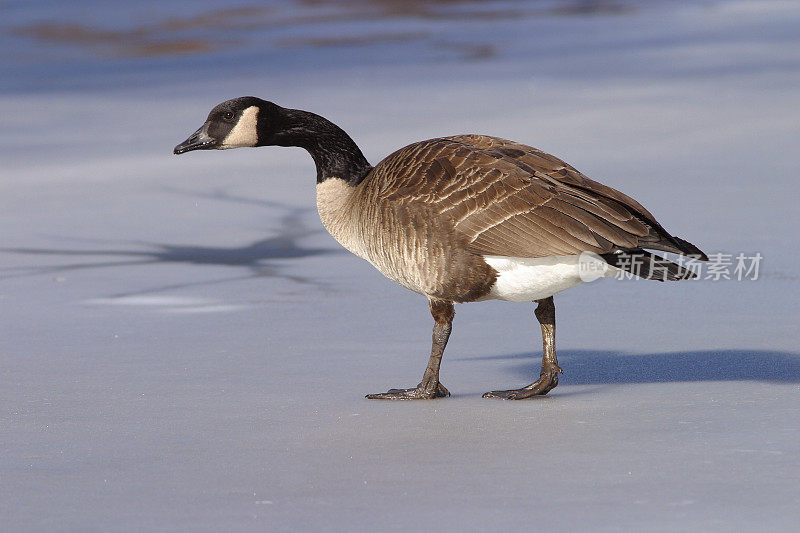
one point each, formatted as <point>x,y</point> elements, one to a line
<point>508,199</point>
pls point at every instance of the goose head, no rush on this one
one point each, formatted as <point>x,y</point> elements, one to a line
<point>236,123</point>
<point>251,121</point>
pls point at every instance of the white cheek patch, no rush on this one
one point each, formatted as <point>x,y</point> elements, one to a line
<point>245,132</point>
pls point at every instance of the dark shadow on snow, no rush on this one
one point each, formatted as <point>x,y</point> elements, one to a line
<point>258,257</point>
<point>591,367</point>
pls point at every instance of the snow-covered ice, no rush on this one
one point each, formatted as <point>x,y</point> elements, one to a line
<point>183,347</point>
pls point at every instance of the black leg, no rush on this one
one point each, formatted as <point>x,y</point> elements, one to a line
<point>429,387</point>
<point>548,379</point>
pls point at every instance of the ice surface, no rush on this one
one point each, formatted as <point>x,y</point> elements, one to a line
<point>183,348</point>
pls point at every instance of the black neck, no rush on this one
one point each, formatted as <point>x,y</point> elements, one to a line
<point>335,153</point>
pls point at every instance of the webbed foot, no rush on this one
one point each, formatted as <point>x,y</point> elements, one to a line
<point>420,392</point>
<point>547,381</point>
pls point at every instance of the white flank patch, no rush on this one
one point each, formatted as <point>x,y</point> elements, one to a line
<point>524,279</point>
<point>245,132</point>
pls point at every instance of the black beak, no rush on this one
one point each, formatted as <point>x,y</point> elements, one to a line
<point>199,140</point>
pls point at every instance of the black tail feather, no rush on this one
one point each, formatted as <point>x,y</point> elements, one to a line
<point>691,249</point>
<point>645,265</point>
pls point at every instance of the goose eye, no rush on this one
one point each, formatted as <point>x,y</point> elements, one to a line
<point>228,115</point>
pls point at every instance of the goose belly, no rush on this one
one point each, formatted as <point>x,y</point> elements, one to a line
<point>524,279</point>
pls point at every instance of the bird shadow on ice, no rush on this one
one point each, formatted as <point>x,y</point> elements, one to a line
<point>258,258</point>
<point>592,367</point>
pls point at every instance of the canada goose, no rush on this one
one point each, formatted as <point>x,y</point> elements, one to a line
<point>459,219</point>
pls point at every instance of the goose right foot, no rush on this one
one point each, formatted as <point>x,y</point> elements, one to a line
<point>419,392</point>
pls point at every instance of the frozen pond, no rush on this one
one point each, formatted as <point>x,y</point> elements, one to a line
<point>184,348</point>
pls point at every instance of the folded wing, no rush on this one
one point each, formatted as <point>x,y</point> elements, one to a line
<point>509,199</point>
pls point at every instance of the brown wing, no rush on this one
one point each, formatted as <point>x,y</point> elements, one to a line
<point>510,199</point>
<point>550,167</point>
